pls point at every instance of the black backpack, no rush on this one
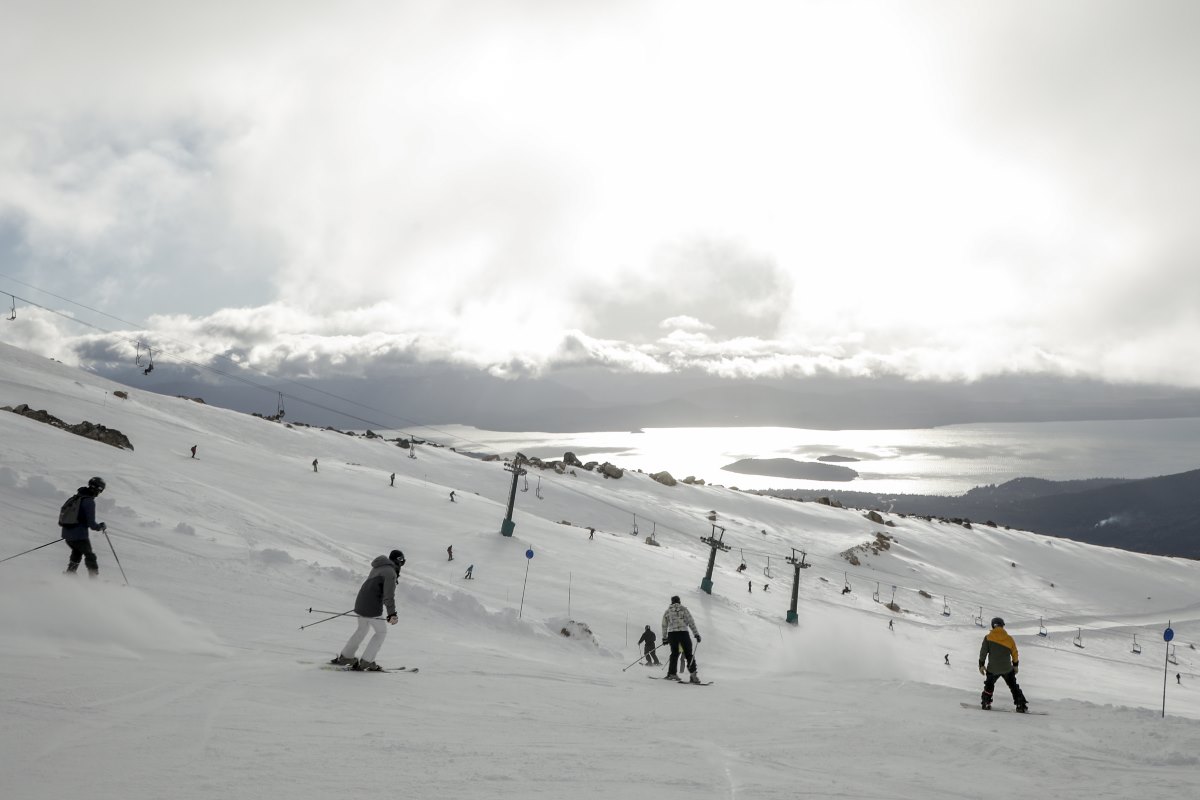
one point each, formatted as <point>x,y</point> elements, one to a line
<point>70,514</point>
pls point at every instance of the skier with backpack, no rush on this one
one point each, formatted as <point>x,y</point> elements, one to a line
<point>999,653</point>
<point>76,518</point>
<point>377,591</point>
<point>675,623</point>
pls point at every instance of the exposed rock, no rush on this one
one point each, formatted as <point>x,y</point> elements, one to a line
<point>87,430</point>
<point>925,594</point>
<point>591,465</point>
<point>664,478</point>
<point>881,542</point>
<point>120,394</point>
<point>874,516</point>
<point>892,607</point>
<point>825,501</point>
<point>571,460</point>
<point>610,470</point>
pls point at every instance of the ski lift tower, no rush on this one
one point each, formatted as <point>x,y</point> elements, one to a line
<point>716,543</point>
<point>507,526</point>
<point>798,564</point>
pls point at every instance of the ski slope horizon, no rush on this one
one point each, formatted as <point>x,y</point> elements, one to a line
<point>196,681</point>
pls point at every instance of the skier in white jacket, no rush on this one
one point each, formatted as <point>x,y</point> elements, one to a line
<point>675,623</point>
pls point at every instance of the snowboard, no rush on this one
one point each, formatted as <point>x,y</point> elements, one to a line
<point>1004,710</point>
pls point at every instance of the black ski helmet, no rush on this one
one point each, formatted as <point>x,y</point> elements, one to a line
<point>98,484</point>
<point>674,598</point>
<point>397,558</point>
<point>997,622</point>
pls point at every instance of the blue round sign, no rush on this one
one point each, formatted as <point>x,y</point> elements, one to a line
<point>529,553</point>
<point>1168,635</point>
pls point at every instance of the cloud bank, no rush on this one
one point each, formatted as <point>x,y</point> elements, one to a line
<point>778,189</point>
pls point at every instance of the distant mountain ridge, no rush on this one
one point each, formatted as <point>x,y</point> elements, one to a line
<point>1159,516</point>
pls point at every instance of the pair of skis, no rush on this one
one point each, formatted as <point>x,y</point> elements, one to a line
<point>689,683</point>
<point>346,668</point>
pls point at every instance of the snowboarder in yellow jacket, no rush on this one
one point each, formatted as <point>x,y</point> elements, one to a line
<point>998,658</point>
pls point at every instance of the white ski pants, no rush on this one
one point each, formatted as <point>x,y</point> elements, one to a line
<point>365,624</point>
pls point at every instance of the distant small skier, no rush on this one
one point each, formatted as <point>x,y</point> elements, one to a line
<point>314,465</point>
<point>750,586</point>
<point>891,624</point>
<point>450,553</point>
<point>675,623</point>
<point>1178,680</point>
<point>650,651</point>
<point>193,451</point>
<point>75,532</point>
<point>377,591</point>
<point>393,479</point>
<point>451,495</point>
<point>470,569</point>
<point>766,586</point>
<point>999,653</point>
<point>947,659</point>
<point>591,534</point>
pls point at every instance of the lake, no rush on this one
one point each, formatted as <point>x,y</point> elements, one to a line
<point>944,460</point>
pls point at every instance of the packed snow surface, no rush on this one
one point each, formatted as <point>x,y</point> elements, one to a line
<point>196,681</point>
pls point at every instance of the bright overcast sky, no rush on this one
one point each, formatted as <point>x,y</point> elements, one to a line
<point>931,189</point>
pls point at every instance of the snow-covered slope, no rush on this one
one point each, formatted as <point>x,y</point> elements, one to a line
<point>196,681</point>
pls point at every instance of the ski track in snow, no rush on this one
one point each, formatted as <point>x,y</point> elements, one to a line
<point>185,684</point>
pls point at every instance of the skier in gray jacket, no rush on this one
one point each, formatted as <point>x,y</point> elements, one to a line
<point>377,591</point>
<point>675,623</point>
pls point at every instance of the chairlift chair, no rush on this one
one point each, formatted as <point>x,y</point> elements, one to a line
<point>1042,627</point>
<point>875,594</point>
<point>1137,648</point>
<point>1171,656</point>
<point>526,489</point>
<point>893,596</point>
<point>538,491</point>
<point>767,569</point>
<point>279,409</point>
<point>13,315</point>
<point>945,606</point>
<point>1078,641</point>
<point>979,619</point>
<point>848,587</point>
<point>634,532</point>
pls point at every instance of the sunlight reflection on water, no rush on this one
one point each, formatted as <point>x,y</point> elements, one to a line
<point>946,460</point>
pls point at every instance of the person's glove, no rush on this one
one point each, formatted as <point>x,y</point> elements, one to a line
<point>102,526</point>
<point>1015,668</point>
<point>982,671</point>
<point>393,619</point>
<point>697,638</point>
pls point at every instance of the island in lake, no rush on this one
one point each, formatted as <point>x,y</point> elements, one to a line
<point>791,468</point>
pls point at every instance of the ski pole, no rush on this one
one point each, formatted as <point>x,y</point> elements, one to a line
<point>39,547</point>
<point>114,552</point>
<point>335,614</point>
<point>664,644</point>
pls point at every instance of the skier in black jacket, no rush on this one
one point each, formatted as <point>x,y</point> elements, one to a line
<point>648,639</point>
<point>76,534</point>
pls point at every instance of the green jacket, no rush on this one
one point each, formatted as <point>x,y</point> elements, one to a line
<point>999,652</point>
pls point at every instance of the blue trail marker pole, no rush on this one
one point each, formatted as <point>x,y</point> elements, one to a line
<point>528,558</point>
<point>1168,635</point>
